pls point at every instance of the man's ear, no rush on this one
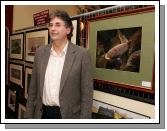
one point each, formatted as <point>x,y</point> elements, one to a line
<point>68,30</point>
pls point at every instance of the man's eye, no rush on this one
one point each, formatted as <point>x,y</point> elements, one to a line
<point>50,25</point>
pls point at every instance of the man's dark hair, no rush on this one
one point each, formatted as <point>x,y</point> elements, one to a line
<point>63,15</point>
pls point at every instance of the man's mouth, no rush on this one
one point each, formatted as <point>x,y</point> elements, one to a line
<point>54,34</point>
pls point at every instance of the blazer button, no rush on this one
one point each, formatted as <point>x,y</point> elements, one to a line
<point>41,109</point>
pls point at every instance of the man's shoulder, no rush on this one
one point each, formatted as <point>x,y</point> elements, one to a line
<point>79,49</point>
<point>42,48</point>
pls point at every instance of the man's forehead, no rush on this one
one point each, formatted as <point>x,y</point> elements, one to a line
<point>56,20</point>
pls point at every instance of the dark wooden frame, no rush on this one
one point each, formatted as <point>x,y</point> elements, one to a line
<point>26,84</point>
<point>21,107</point>
<point>76,28</point>
<point>12,94</point>
<point>13,37</point>
<point>11,79</point>
<point>34,33</point>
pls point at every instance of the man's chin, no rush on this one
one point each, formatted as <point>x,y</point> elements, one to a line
<point>54,39</point>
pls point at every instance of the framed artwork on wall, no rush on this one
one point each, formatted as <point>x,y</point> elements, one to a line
<point>16,73</point>
<point>12,100</point>
<point>83,31</point>
<point>21,111</point>
<point>28,73</point>
<point>103,110</point>
<point>16,46</point>
<point>35,39</point>
<point>122,48</point>
<point>75,22</point>
<point>7,55</point>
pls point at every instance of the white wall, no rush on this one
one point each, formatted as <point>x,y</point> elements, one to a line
<point>23,14</point>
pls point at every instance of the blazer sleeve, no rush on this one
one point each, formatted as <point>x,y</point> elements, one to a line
<point>32,91</point>
<point>86,87</point>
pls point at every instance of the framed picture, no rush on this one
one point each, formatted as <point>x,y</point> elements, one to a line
<point>11,100</point>
<point>83,32</point>
<point>103,110</point>
<point>21,111</point>
<point>75,22</point>
<point>7,55</point>
<point>122,48</point>
<point>28,73</point>
<point>16,46</point>
<point>35,39</point>
<point>16,74</point>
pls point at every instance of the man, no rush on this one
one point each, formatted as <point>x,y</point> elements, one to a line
<point>61,84</point>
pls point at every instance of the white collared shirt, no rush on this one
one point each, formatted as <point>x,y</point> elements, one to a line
<point>53,77</point>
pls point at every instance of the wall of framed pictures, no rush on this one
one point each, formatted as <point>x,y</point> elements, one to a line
<point>139,90</point>
<point>22,47</point>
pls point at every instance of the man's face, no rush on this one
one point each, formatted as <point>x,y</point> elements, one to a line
<point>58,29</point>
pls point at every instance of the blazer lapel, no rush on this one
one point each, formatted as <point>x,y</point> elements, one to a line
<point>67,64</point>
<point>44,63</point>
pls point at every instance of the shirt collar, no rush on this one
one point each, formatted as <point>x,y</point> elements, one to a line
<point>64,51</point>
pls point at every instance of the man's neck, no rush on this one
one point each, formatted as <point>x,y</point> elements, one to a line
<point>58,46</point>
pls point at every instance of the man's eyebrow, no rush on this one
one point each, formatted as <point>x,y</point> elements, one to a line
<point>55,23</point>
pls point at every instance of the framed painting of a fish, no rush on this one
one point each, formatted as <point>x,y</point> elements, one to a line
<point>121,45</point>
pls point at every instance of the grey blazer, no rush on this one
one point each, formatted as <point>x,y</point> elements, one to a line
<point>76,87</point>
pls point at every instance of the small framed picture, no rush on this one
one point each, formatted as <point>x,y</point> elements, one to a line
<point>21,111</point>
<point>12,100</point>
<point>16,72</point>
<point>75,22</point>
<point>103,110</point>
<point>7,55</point>
<point>28,73</point>
<point>16,46</point>
<point>35,39</point>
